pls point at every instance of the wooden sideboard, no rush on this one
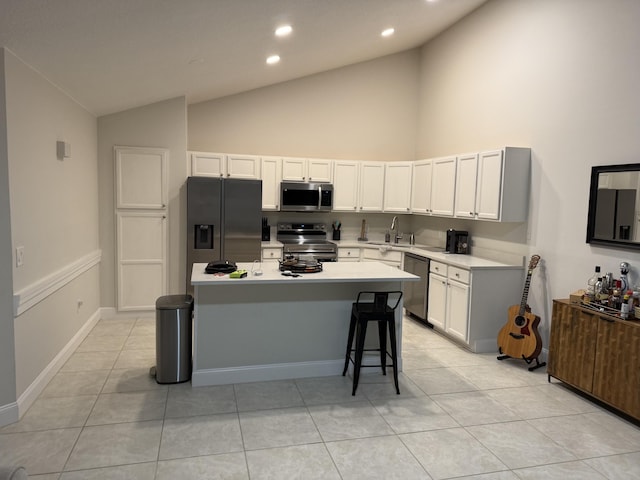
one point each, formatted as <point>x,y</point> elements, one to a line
<point>596,353</point>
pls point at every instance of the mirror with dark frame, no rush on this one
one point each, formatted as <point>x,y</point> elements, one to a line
<point>614,206</point>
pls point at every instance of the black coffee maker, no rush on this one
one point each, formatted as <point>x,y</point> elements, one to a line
<point>457,241</point>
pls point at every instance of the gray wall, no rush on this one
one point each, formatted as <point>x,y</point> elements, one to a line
<point>7,357</point>
<point>366,111</point>
<point>561,77</point>
<point>54,214</point>
<point>164,125</point>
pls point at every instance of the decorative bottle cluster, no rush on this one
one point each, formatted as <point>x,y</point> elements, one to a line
<point>612,294</point>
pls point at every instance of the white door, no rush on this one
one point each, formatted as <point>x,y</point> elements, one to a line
<point>141,226</point>
<point>142,253</point>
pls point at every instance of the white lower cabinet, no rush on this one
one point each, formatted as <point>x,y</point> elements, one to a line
<point>270,253</point>
<point>348,254</point>
<point>449,299</point>
<point>437,300</point>
<point>471,306</point>
<point>390,257</point>
<point>457,323</point>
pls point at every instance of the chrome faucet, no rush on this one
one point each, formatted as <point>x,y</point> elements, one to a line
<point>394,225</point>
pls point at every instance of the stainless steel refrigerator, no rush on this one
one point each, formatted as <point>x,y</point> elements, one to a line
<point>224,221</point>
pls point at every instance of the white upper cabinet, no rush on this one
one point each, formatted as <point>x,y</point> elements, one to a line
<point>294,169</point>
<point>421,187</point>
<point>319,170</point>
<point>494,185</point>
<point>243,166</point>
<point>371,186</point>
<point>443,186</point>
<point>397,187</point>
<point>306,170</point>
<point>489,185</point>
<point>346,176</point>
<point>205,164</point>
<point>271,173</point>
<point>466,175</point>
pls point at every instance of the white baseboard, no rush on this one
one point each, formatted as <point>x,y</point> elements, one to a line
<point>38,385</point>
<point>264,373</point>
<point>9,414</point>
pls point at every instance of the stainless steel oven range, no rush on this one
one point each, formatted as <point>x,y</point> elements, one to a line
<point>306,240</point>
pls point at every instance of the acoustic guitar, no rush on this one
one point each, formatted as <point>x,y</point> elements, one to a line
<point>519,338</point>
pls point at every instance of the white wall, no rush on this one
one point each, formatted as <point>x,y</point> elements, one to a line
<point>562,77</point>
<point>54,213</point>
<point>365,111</point>
<point>7,357</point>
<point>164,125</point>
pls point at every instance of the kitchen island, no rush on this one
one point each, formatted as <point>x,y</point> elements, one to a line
<point>272,327</point>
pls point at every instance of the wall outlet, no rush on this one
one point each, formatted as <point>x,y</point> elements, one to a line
<point>19,256</point>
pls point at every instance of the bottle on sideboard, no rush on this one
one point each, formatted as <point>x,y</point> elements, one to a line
<point>602,290</point>
<point>591,285</point>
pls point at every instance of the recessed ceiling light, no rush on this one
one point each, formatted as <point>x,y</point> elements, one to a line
<point>273,59</point>
<point>387,32</point>
<point>283,31</point>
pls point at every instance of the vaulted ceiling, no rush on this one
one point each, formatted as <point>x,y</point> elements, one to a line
<point>111,55</point>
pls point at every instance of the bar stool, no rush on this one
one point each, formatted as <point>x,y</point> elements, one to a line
<point>364,311</point>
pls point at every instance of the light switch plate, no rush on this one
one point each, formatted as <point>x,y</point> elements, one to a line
<point>19,256</point>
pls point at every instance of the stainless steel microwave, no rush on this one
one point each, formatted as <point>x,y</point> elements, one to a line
<point>306,197</point>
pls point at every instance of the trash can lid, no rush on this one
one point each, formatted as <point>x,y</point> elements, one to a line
<point>170,302</point>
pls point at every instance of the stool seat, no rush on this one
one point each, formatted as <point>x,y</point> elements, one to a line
<point>373,307</point>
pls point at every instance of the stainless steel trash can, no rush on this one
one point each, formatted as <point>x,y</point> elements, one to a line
<point>173,338</point>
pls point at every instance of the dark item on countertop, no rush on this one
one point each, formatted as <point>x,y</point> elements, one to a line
<point>300,266</point>
<point>221,267</point>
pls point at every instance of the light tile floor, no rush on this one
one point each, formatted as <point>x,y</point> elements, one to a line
<point>458,415</point>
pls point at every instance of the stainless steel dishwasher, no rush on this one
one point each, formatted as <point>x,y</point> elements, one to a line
<point>415,293</point>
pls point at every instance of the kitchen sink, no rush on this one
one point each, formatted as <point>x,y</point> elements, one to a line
<point>406,245</point>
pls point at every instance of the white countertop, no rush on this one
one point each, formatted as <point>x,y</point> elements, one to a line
<point>332,272</point>
<point>434,253</point>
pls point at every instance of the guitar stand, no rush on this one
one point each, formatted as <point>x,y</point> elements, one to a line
<point>528,360</point>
